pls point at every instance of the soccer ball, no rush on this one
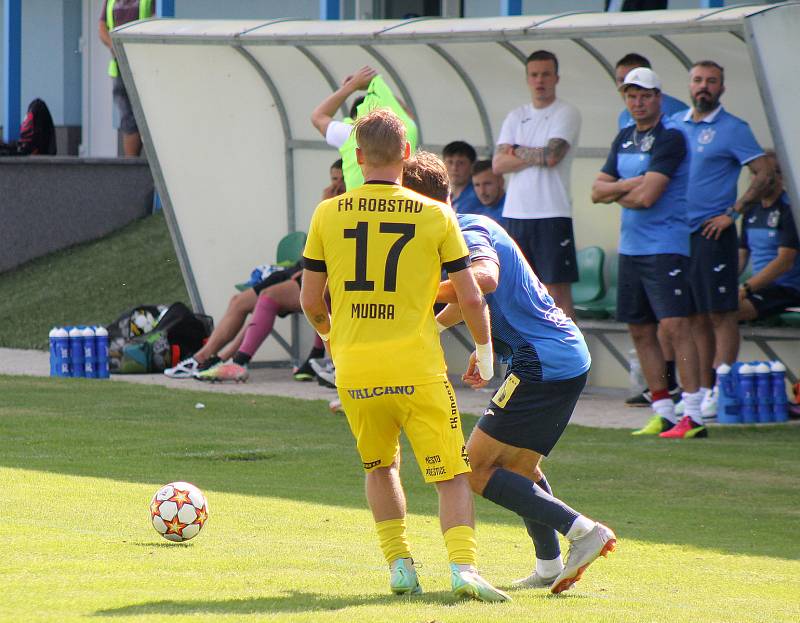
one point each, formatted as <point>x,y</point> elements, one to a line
<point>178,511</point>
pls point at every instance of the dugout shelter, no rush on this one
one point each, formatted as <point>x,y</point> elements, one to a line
<point>223,107</point>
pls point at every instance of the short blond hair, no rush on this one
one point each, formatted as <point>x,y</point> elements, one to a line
<point>426,174</point>
<point>381,137</point>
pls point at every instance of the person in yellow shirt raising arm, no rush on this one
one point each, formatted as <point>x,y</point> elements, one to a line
<point>380,249</point>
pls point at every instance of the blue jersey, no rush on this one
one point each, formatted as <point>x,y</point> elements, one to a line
<point>720,145</point>
<point>664,226</point>
<point>494,212</point>
<point>669,106</point>
<point>766,229</point>
<point>466,201</point>
<point>528,331</point>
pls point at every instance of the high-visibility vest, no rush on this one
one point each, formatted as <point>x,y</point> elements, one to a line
<point>379,95</point>
<point>145,11</point>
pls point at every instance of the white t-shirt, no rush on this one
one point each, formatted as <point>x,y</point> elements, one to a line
<point>337,133</point>
<point>541,192</point>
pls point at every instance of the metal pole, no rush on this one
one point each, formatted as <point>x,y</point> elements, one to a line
<point>329,9</point>
<point>510,7</point>
<point>165,8</point>
<point>12,51</point>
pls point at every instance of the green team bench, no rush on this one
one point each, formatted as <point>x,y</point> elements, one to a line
<point>759,335</point>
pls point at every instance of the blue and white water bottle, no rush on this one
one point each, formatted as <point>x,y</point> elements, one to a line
<point>52,341</point>
<point>89,354</point>
<point>780,407</point>
<point>61,353</point>
<point>101,351</point>
<point>728,401</point>
<point>763,392</point>
<point>747,393</point>
<point>76,351</point>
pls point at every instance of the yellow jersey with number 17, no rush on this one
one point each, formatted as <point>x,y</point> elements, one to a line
<point>383,247</point>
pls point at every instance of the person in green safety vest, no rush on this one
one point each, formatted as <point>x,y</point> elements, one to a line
<point>116,13</point>
<point>338,133</point>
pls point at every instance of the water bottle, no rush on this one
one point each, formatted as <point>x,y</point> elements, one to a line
<point>52,341</point>
<point>101,352</point>
<point>89,354</point>
<point>727,401</point>
<point>779,403</point>
<point>763,392</point>
<point>747,393</point>
<point>76,352</point>
<point>61,352</point>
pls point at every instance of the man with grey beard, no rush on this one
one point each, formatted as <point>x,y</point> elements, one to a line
<point>720,145</point>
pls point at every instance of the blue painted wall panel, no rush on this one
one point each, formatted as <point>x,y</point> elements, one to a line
<point>246,9</point>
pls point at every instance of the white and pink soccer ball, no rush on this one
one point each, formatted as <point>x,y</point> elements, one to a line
<point>178,511</point>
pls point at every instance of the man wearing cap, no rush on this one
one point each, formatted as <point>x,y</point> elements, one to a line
<point>720,145</point>
<point>647,173</point>
<point>669,105</point>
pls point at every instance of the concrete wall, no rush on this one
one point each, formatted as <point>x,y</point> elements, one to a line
<point>52,202</point>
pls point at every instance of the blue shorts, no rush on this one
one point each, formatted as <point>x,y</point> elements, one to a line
<point>714,272</point>
<point>652,287</point>
<point>549,246</point>
<point>774,300</point>
<point>531,414</point>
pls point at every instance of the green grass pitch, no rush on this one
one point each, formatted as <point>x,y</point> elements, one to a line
<point>708,529</point>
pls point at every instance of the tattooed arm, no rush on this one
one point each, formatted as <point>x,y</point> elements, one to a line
<point>510,158</point>
<point>548,156</point>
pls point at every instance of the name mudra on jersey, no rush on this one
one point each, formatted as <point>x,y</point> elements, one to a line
<point>372,311</point>
<point>373,204</point>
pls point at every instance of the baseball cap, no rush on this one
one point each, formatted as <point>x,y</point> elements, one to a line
<point>641,77</point>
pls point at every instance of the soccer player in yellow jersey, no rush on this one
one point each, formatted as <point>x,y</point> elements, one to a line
<point>380,249</point>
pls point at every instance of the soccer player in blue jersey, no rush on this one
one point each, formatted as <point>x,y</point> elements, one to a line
<point>646,173</point>
<point>720,145</point>
<point>548,366</point>
<point>769,239</point>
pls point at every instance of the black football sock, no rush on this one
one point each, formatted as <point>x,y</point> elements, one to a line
<point>241,358</point>
<point>672,380</point>
<point>211,361</point>
<point>545,540</point>
<point>528,500</point>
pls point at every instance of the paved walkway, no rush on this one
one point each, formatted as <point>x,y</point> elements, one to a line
<point>599,407</point>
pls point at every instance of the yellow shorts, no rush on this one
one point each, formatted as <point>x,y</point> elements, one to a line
<point>427,413</point>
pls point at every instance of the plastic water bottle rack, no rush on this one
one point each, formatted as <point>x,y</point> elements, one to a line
<point>752,393</point>
<point>80,351</point>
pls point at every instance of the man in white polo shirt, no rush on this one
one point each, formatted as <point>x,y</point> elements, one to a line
<point>536,146</point>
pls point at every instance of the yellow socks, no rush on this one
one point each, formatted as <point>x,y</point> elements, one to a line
<point>461,545</point>
<point>393,539</point>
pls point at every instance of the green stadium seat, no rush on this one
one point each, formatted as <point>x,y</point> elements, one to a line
<point>606,306</point>
<point>791,318</point>
<point>590,286</point>
<point>290,248</point>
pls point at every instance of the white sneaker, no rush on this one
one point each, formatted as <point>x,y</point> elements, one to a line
<point>679,409</point>
<point>324,370</point>
<point>708,408</point>
<point>583,551</point>
<point>534,580</point>
<point>186,369</point>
